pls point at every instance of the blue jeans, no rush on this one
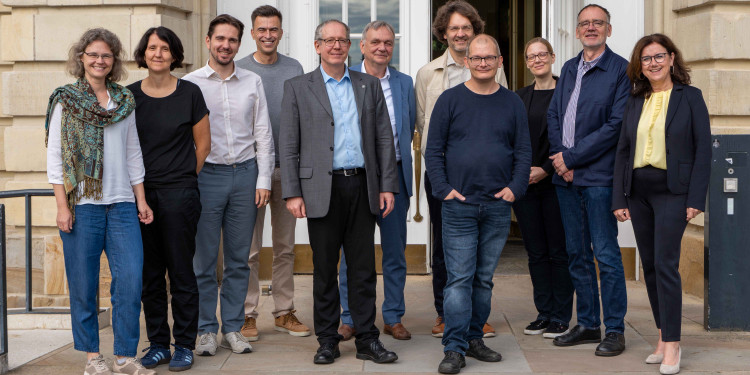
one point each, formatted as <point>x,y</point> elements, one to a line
<point>590,225</point>
<point>393,243</point>
<point>228,201</point>
<point>113,228</point>
<point>473,238</point>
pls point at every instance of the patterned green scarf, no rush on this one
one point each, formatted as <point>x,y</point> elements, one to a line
<point>82,138</point>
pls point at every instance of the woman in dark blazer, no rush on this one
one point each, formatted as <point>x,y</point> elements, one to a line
<point>661,177</point>
<point>538,212</point>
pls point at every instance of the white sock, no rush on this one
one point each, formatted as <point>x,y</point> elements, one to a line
<point>121,361</point>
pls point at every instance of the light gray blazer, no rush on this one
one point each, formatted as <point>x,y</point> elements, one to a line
<point>306,141</point>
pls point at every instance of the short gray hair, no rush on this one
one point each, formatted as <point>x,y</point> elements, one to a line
<point>483,36</point>
<point>376,25</point>
<point>319,29</point>
<point>75,65</point>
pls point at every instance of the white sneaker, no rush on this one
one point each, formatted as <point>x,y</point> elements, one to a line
<point>97,366</point>
<point>131,366</point>
<point>206,344</point>
<point>236,342</point>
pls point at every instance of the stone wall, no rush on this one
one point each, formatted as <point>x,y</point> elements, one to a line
<point>714,37</point>
<point>35,36</point>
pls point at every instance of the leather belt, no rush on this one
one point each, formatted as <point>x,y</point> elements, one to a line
<point>349,172</point>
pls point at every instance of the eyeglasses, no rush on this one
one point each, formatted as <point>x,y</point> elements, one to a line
<point>466,29</point>
<point>96,56</point>
<point>541,55</point>
<point>597,23</point>
<point>331,42</point>
<point>659,58</point>
<point>476,60</point>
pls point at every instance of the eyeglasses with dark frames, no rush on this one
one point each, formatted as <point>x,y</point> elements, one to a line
<point>476,60</point>
<point>541,55</point>
<point>597,23</point>
<point>659,58</point>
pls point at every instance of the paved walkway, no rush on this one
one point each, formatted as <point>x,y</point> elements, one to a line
<point>278,353</point>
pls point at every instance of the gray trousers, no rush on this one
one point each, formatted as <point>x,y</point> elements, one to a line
<point>228,200</point>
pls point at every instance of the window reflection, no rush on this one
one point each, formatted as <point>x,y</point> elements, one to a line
<point>330,9</point>
<point>355,55</point>
<point>388,11</point>
<point>359,14</point>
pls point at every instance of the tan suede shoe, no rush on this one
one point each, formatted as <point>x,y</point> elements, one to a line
<point>249,329</point>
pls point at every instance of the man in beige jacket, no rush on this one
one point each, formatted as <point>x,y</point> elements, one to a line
<point>455,24</point>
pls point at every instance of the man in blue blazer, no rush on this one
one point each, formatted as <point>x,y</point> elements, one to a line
<point>583,124</point>
<point>378,39</point>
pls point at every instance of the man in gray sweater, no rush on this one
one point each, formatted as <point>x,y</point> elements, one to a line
<point>273,69</point>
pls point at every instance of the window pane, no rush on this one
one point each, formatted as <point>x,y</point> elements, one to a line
<point>330,9</point>
<point>355,55</point>
<point>359,15</point>
<point>388,11</point>
<point>395,60</point>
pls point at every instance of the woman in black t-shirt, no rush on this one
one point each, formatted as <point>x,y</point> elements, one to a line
<point>538,213</point>
<point>173,128</point>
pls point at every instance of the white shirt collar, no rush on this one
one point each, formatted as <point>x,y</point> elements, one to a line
<point>387,75</point>
<point>209,71</point>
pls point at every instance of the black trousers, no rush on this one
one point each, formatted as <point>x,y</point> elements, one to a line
<point>658,218</point>
<point>538,215</point>
<point>439,273</point>
<point>350,223</point>
<point>168,247</point>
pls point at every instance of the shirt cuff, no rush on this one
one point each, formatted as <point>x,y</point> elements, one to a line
<point>264,182</point>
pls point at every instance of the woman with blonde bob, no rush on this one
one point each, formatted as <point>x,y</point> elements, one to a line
<point>95,166</point>
<point>538,212</point>
<point>662,167</point>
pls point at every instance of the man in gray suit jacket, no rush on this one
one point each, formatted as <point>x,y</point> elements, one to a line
<point>338,169</point>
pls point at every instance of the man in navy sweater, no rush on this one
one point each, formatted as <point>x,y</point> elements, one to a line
<point>583,124</point>
<point>478,158</point>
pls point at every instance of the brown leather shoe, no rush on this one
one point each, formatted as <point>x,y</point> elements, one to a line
<point>438,328</point>
<point>398,331</point>
<point>488,330</point>
<point>347,332</point>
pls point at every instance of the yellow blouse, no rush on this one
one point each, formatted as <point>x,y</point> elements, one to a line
<point>650,145</point>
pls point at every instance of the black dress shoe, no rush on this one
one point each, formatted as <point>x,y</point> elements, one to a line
<point>326,354</point>
<point>478,350</point>
<point>612,345</point>
<point>377,353</point>
<point>579,335</point>
<point>452,363</point>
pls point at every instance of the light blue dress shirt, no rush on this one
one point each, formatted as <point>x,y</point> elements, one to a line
<point>347,138</point>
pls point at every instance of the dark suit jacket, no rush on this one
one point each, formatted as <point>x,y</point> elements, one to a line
<point>306,141</point>
<point>405,110</point>
<point>540,154</point>
<point>688,142</point>
<point>604,91</point>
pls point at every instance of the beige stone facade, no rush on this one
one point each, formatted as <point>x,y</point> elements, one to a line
<point>35,36</point>
<point>714,37</point>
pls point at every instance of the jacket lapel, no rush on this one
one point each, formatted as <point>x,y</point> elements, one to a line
<point>318,88</point>
<point>396,98</point>
<point>635,113</point>
<point>674,102</point>
<point>359,92</point>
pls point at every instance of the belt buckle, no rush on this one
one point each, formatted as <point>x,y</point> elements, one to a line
<point>350,172</point>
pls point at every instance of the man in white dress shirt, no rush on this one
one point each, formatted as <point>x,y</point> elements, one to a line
<point>242,156</point>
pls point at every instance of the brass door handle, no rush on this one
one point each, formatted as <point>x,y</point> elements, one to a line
<point>417,146</point>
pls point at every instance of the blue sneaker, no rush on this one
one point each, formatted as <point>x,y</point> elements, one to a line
<point>157,355</point>
<point>182,359</point>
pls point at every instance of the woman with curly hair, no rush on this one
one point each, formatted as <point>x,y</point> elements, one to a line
<point>95,166</point>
